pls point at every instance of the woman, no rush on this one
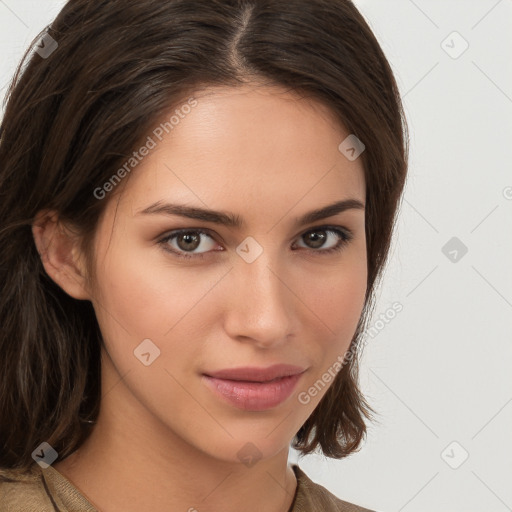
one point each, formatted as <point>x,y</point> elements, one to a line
<point>139,373</point>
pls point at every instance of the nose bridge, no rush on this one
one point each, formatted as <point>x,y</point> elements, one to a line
<point>261,307</point>
<point>261,277</point>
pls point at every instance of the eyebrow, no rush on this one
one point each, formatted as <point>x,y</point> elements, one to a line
<point>235,221</point>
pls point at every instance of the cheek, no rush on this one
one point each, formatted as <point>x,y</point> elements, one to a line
<point>339,292</point>
<point>135,297</point>
<point>338,303</point>
<point>144,297</point>
<point>341,308</point>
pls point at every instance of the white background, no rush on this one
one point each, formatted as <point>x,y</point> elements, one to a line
<point>440,370</point>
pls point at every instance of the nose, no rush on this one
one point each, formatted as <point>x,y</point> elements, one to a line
<point>262,307</point>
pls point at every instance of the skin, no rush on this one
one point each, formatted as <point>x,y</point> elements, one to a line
<point>163,441</point>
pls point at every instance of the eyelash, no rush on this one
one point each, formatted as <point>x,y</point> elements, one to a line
<point>345,237</point>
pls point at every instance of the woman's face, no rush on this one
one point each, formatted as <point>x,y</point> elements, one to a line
<point>266,292</point>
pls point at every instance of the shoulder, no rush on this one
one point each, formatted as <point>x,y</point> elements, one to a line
<point>23,491</point>
<point>44,490</point>
<point>313,497</point>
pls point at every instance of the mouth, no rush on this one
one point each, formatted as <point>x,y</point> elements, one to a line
<point>253,389</point>
<point>255,374</point>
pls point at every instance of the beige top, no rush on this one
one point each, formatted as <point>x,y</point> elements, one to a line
<point>47,490</point>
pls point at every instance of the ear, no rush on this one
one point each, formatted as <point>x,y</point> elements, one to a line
<point>60,253</point>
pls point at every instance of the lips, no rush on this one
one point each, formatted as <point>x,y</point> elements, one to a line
<point>255,374</point>
<point>253,396</point>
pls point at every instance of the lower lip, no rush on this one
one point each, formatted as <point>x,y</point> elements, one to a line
<point>253,396</point>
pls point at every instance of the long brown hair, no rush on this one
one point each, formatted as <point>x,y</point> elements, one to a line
<point>73,116</point>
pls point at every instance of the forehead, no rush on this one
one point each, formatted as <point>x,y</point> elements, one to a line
<point>249,147</point>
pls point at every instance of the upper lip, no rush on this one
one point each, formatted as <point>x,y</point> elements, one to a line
<point>255,374</point>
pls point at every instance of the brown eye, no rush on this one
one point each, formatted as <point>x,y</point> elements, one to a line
<point>186,241</point>
<point>317,238</point>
